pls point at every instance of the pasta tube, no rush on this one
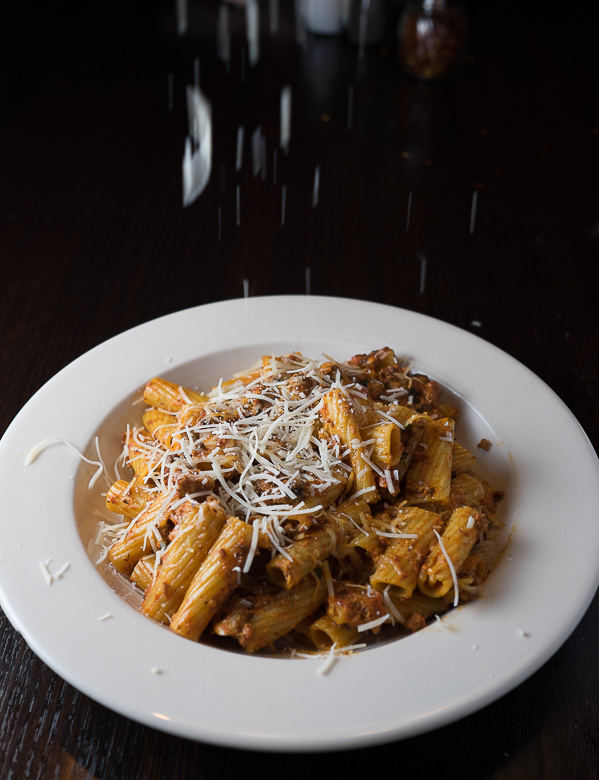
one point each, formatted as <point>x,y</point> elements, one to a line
<point>446,557</point>
<point>412,424</point>
<point>197,530</point>
<point>161,425</point>
<point>169,396</point>
<point>143,452</point>
<point>143,573</point>
<point>273,615</point>
<point>400,564</point>
<point>338,412</point>
<point>147,532</point>
<point>414,611</point>
<point>214,581</point>
<point>324,633</point>
<point>388,447</point>
<point>462,459</point>
<point>128,498</point>
<point>428,478</point>
<point>302,557</point>
<point>466,490</point>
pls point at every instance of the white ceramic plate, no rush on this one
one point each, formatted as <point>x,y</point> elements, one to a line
<point>541,457</point>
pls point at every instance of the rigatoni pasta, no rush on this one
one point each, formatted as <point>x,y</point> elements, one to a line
<point>307,504</point>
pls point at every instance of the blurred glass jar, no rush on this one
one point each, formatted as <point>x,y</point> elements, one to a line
<point>324,17</point>
<point>432,38</point>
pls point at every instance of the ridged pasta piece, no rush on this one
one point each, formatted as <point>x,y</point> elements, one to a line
<point>169,396</point>
<point>197,529</point>
<point>466,490</point>
<point>447,555</point>
<point>214,581</point>
<point>387,448</point>
<point>337,411</point>
<point>144,452</point>
<point>161,425</point>
<point>148,530</point>
<point>400,564</point>
<point>302,556</point>
<point>143,572</point>
<point>428,478</point>
<point>417,609</point>
<point>462,459</point>
<point>272,615</point>
<point>324,633</point>
<point>129,498</point>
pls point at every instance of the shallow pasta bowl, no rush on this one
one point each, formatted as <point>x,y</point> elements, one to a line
<point>85,625</point>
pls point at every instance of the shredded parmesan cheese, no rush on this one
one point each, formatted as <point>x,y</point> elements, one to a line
<point>454,575</point>
<point>374,623</point>
<point>49,575</point>
<point>330,659</point>
<point>34,453</point>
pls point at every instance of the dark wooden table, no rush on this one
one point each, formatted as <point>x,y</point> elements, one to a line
<point>475,201</point>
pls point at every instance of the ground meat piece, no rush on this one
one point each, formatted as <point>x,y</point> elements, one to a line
<point>354,606</point>
<point>300,386</point>
<point>415,622</point>
<point>427,393</point>
<point>373,361</point>
<point>193,482</point>
<point>395,376</point>
<point>374,388</point>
